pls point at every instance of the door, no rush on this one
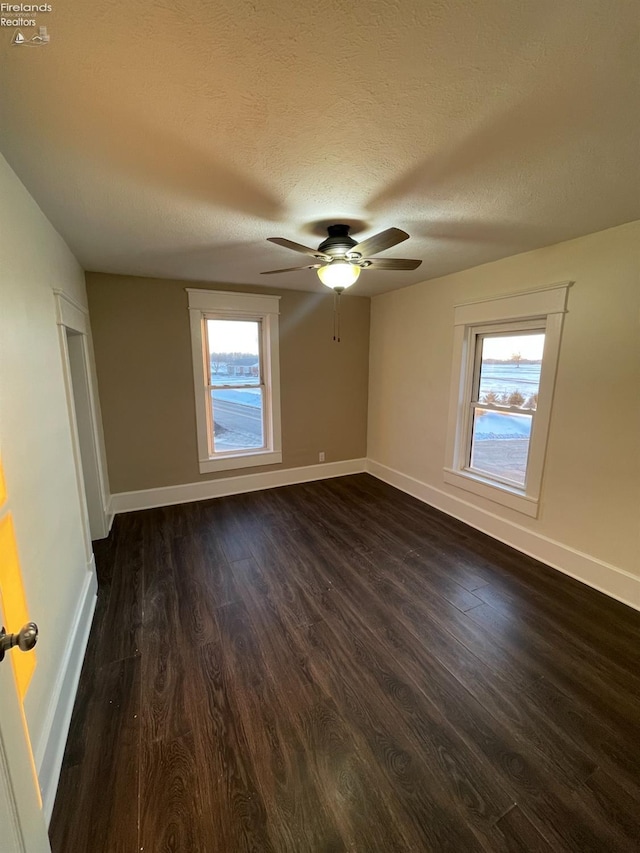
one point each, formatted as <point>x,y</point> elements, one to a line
<point>22,824</point>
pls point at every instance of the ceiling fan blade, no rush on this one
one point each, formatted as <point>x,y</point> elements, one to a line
<point>392,263</point>
<point>292,269</point>
<point>380,242</point>
<point>297,247</point>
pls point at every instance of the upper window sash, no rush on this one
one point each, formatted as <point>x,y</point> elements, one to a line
<point>260,381</point>
<point>499,331</point>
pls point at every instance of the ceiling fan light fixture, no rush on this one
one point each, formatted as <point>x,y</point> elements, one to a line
<point>338,274</point>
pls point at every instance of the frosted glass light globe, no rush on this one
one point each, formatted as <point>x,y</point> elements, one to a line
<point>339,274</point>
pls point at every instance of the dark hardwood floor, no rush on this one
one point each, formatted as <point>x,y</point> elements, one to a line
<point>337,667</point>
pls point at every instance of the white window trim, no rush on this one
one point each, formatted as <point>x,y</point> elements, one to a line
<point>545,308</point>
<point>218,304</point>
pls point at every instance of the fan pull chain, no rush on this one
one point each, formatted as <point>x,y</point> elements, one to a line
<point>336,316</point>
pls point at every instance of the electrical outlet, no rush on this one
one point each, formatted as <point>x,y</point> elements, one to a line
<point>321,456</point>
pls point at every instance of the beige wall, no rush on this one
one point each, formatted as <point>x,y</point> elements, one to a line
<point>591,490</point>
<point>145,375</point>
<point>35,436</point>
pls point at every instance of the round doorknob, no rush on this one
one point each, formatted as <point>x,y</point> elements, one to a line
<point>25,639</point>
<point>27,636</point>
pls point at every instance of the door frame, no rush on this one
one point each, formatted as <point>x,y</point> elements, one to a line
<point>93,492</point>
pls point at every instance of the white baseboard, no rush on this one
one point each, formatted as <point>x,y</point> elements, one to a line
<point>604,577</point>
<point>49,751</point>
<point>188,492</point>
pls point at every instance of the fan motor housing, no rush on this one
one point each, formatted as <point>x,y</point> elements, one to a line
<point>338,242</point>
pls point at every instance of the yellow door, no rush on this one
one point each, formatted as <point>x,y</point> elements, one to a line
<point>22,824</point>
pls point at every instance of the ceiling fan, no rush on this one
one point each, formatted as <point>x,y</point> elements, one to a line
<point>339,259</point>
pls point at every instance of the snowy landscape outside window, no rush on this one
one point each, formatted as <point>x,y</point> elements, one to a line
<point>236,385</point>
<point>234,339</point>
<point>503,404</point>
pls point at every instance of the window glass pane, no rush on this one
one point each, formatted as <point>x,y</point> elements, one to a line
<point>500,444</point>
<point>237,419</point>
<point>234,352</point>
<point>510,370</point>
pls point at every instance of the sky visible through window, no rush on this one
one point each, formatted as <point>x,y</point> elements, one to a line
<point>233,336</point>
<point>503,348</point>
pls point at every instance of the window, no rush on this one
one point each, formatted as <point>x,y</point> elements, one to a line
<point>506,352</point>
<point>504,399</point>
<point>236,375</point>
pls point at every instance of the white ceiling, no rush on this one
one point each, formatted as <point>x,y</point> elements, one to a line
<point>170,138</point>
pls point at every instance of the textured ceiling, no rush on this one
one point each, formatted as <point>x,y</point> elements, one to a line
<point>171,138</point>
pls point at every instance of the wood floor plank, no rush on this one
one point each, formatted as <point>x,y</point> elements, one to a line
<point>593,734</point>
<point>490,687</point>
<point>558,627</point>
<point>556,662</point>
<point>573,602</point>
<point>247,752</point>
<point>372,680</point>
<point>337,667</point>
<point>516,834</point>
<point>612,804</point>
<point>97,803</point>
<point>124,609</point>
<point>165,695</point>
<point>412,742</point>
<point>173,814</point>
<point>349,764</point>
<point>300,730</point>
<point>519,764</point>
<point>552,741</point>
<point>414,635</point>
<point>81,719</point>
<point>292,678</point>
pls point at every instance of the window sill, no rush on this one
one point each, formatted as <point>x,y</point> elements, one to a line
<point>241,460</point>
<point>492,491</point>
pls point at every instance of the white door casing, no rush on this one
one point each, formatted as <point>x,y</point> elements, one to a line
<point>73,325</point>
